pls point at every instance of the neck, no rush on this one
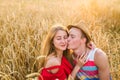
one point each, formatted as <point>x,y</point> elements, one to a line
<point>59,53</point>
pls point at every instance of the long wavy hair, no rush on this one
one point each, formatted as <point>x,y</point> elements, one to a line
<point>48,46</point>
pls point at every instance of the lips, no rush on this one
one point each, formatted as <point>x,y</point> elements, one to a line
<point>63,45</point>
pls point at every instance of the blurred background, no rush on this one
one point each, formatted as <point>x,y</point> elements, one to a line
<point>25,23</point>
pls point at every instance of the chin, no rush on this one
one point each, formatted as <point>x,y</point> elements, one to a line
<point>68,47</point>
<point>63,48</point>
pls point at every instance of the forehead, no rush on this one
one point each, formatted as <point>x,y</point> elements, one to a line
<point>75,31</point>
<point>60,33</point>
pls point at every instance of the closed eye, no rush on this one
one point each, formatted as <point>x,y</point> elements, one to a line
<point>72,36</point>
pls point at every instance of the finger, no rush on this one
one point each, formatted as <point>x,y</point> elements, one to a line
<point>85,57</point>
<point>77,58</point>
<point>82,55</point>
<point>90,45</point>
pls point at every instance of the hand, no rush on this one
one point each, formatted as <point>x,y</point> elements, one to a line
<point>81,60</point>
<point>91,45</point>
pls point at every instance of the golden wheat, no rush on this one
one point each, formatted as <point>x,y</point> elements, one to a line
<point>24,25</point>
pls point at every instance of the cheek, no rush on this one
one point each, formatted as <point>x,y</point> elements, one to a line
<point>75,42</point>
<point>55,43</point>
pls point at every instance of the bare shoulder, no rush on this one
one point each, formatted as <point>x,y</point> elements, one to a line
<point>100,57</point>
<point>100,54</point>
<point>51,60</point>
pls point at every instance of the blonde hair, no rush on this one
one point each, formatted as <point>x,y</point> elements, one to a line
<point>82,26</point>
<point>48,46</point>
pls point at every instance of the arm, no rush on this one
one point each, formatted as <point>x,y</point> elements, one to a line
<point>75,70</point>
<point>103,66</point>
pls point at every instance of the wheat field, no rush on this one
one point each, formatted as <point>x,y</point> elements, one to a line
<point>25,23</point>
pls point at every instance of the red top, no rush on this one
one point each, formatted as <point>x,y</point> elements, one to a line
<point>64,70</point>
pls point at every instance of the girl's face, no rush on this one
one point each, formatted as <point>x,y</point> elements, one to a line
<point>74,39</point>
<point>60,40</point>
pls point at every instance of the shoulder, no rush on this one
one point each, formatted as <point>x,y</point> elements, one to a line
<point>100,54</point>
<point>51,60</point>
<point>100,57</point>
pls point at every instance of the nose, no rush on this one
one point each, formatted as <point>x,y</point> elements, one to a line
<point>63,40</point>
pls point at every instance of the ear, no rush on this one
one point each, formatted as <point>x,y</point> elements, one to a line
<point>84,40</point>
